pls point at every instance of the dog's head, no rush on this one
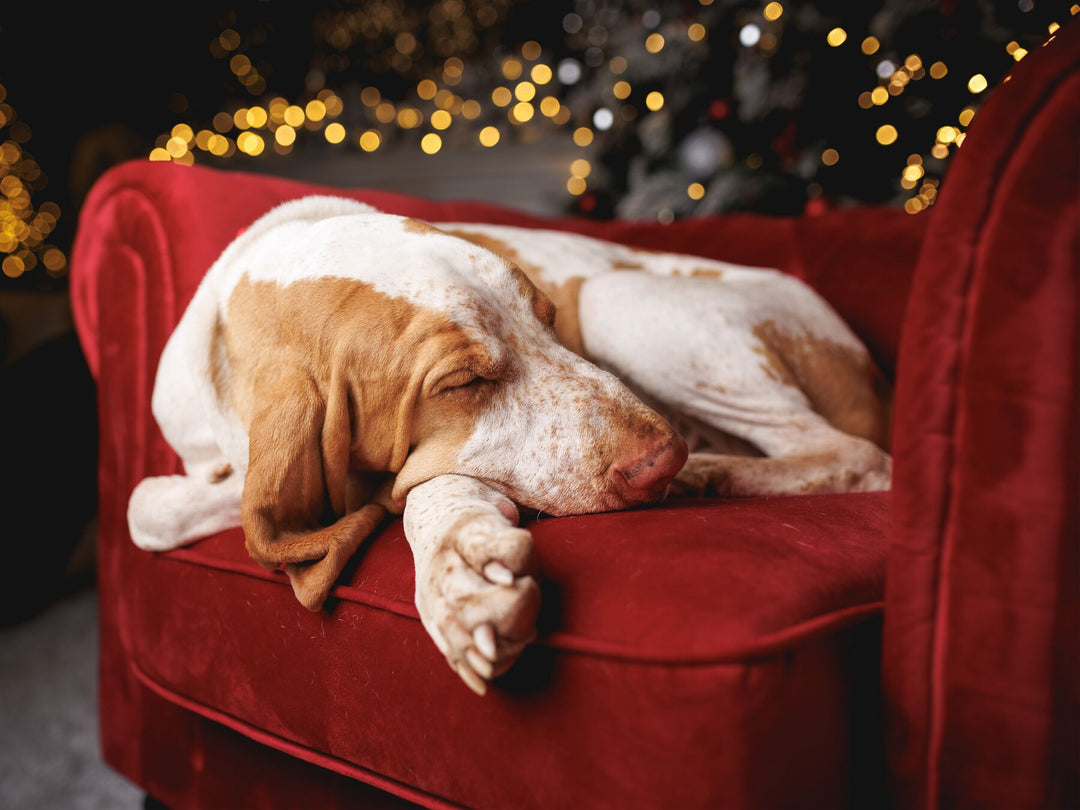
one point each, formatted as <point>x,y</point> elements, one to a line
<point>433,355</point>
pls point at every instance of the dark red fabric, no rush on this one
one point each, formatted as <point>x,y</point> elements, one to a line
<point>981,631</point>
<point>707,654</point>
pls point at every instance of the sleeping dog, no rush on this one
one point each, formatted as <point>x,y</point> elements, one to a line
<point>337,364</point>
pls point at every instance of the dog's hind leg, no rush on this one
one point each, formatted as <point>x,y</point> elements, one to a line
<point>718,358</point>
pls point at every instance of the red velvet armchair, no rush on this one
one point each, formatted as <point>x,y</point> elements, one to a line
<point>723,653</point>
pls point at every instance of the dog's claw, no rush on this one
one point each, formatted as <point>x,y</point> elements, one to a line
<point>484,638</point>
<point>498,573</point>
<point>481,665</point>
<point>472,680</point>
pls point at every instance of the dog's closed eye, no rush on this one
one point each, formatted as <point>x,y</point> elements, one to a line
<point>465,380</point>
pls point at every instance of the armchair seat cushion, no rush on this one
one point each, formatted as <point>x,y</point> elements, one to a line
<point>696,639</point>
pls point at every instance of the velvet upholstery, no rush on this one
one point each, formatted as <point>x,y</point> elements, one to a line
<point>981,642</point>
<point>689,652</point>
<point>707,653</point>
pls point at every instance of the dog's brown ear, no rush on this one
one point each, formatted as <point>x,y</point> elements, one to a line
<point>297,468</point>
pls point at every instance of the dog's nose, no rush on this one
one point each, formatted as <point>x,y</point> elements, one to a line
<point>645,477</point>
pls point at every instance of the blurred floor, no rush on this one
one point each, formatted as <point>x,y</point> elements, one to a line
<point>50,758</point>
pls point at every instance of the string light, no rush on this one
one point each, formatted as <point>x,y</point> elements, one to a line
<point>519,99</point>
<point>24,230</point>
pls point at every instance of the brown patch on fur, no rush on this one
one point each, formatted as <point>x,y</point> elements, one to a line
<point>418,226</point>
<point>706,272</point>
<point>842,384</point>
<point>619,264</point>
<point>564,297</point>
<point>326,375</point>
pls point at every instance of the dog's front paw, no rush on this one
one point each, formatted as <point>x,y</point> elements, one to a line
<point>477,599</point>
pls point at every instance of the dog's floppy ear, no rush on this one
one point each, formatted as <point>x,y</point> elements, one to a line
<point>297,470</point>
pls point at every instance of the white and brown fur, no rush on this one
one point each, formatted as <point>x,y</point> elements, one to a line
<point>338,363</point>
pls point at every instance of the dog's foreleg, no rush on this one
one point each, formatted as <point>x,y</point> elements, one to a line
<point>474,589</point>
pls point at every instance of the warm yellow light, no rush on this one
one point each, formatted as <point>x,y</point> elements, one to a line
<point>293,116</point>
<point>977,83</point>
<point>426,89</point>
<point>870,45</point>
<point>525,91</point>
<point>334,133</point>
<point>655,100</point>
<point>550,106</point>
<point>913,205</point>
<point>879,95</point>
<point>1052,28</point>
<point>431,143</point>
<point>176,147</point>
<point>829,157</point>
<point>618,65</point>
<point>13,266</point>
<point>250,143</point>
<point>912,173</point>
<point>939,150</point>
<point>441,119</point>
<point>1019,54</point>
<point>938,70</point>
<point>370,96</point>
<point>576,186</point>
<point>453,68</point>
<point>240,65</point>
<point>836,37</point>
<point>220,145</point>
<point>541,74</point>
<point>621,89</point>
<point>370,140</point>
<point>256,117</point>
<point>315,110</point>
<point>580,168</point>
<point>947,134</point>
<point>501,96</point>
<point>385,112</point>
<point>158,154</point>
<point>511,68</point>
<point>240,120</point>
<point>696,32</point>
<point>285,135</point>
<point>695,191</point>
<point>522,111</point>
<point>966,115</point>
<point>531,50</point>
<point>654,43</point>
<point>471,109</point>
<point>886,134</point>
<point>773,11</point>
<point>184,132</point>
<point>866,100</point>
<point>409,118</point>
<point>489,136</point>
<point>583,136</point>
<point>53,259</point>
<point>913,63</point>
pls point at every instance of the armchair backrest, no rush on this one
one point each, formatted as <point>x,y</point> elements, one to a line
<point>981,619</point>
